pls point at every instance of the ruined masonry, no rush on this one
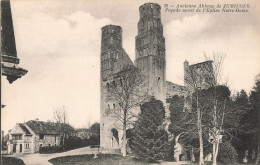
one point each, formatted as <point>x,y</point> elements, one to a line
<point>150,58</point>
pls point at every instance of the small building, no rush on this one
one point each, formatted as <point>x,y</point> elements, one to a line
<point>84,133</point>
<point>29,137</point>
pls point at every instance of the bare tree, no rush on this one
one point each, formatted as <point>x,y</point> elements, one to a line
<point>198,77</point>
<point>221,113</point>
<point>60,115</point>
<point>128,90</point>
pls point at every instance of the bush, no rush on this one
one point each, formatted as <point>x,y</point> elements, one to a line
<point>227,153</point>
<point>50,149</point>
<point>11,161</point>
<point>74,142</point>
<point>94,140</point>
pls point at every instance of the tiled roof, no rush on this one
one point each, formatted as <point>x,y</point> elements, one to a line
<point>25,129</point>
<point>41,127</point>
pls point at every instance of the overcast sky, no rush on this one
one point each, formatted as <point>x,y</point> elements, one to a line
<point>59,42</point>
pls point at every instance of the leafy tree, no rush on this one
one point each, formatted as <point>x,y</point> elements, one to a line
<point>95,129</point>
<point>255,111</point>
<point>149,139</point>
<point>183,124</point>
<point>227,153</point>
<point>244,137</point>
<point>95,134</point>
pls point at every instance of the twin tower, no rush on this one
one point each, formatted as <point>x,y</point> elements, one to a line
<point>149,58</point>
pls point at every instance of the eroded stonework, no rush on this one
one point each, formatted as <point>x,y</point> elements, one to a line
<point>150,58</point>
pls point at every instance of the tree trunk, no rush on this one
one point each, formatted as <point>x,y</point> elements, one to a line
<point>124,136</point>
<point>257,155</point>
<point>192,155</point>
<point>201,161</point>
<point>215,152</point>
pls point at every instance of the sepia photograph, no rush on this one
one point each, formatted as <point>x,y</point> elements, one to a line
<point>125,82</point>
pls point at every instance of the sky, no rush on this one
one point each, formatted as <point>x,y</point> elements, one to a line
<point>59,41</point>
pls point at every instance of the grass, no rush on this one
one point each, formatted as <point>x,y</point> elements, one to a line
<point>110,159</point>
<point>210,163</point>
<point>11,161</point>
<point>103,159</point>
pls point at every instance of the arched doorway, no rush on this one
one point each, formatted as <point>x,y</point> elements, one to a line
<point>114,139</point>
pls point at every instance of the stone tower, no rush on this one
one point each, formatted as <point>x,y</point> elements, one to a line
<point>113,60</point>
<point>150,49</point>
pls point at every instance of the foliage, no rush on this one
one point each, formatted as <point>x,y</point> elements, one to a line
<point>94,140</point>
<point>182,121</point>
<point>227,153</point>
<point>255,117</point>
<point>243,139</point>
<point>95,134</point>
<point>75,142</point>
<point>50,149</point>
<point>11,161</point>
<point>149,137</point>
<point>95,129</point>
<point>103,159</point>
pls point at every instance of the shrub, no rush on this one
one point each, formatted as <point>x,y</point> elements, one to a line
<point>94,140</point>
<point>11,161</point>
<point>74,142</point>
<point>227,153</point>
<point>50,149</point>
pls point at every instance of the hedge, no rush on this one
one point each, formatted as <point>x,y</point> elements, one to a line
<point>50,149</point>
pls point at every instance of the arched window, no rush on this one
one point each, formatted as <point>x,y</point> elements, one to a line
<point>158,82</point>
<point>114,105</point>
<point>107,85</point>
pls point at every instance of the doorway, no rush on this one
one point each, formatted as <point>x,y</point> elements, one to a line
<point>14,148</point>
<point>21,148</point>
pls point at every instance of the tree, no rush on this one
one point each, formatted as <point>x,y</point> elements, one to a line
<point>127,89</point>
<point>255,110</point>
<point>60,115</point>
<point>207,75</point>
<point>149,139</point>
<point>223,116</point>
<point>197,78</point>
<point>95,129</point>
<point>95,134</point>
<point>183,124</point>
<point>244,137</point>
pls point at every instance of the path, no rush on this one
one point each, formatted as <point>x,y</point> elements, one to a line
<point>42,159</point>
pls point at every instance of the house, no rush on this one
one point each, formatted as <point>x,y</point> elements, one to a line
<point>29,137</point>
<point>84,133</point>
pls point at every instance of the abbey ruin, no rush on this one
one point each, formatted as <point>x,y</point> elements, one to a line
<point>150,58</point>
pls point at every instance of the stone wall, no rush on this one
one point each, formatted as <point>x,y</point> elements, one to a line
<point>48,140</point>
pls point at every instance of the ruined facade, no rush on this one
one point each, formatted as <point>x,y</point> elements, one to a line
<point>150,58</point>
